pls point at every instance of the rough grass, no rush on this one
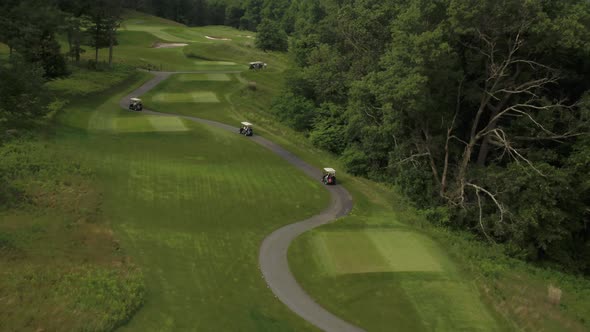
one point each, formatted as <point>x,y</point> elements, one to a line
<point>61,266</point>
<point>83,82</point>
<point>518,290</point>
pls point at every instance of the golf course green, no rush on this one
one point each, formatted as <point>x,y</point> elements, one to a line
<point>190,203</point>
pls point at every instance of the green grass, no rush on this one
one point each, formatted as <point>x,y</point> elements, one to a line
<point>4,51</point>
<point>61,267</point>
<point>82,82</point>
<point>139,33</point>
<point>371,267</point>
<point>191,205</point>
<point>338,265</point>
<point>202,95</point>
<point>363,272</point>
<point>375,250</point>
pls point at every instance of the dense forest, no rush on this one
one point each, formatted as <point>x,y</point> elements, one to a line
<point>476,110</point>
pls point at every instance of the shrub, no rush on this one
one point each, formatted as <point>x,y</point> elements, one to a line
<point>271,36</point>
<point>295,111</point>
<point>355,160</point>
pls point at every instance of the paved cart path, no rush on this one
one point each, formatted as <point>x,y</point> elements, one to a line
<point>273,251</point>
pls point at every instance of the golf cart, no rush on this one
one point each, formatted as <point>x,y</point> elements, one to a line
<point>246,129</point>
<point>257,65</point>
<point>329,176</point>
<point>135,104</point>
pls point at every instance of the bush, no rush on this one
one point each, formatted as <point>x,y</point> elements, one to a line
<point>295,111</point>
<point>355,160</point>
<point>329,132</point>
<point>23,96</point>
<point>271,36</point>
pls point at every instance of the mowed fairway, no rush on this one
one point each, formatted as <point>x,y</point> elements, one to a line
<point>202,95</point>
<point>191,205</point>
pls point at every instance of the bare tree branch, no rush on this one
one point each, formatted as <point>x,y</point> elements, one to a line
<point>412,157</point>
<point>500,207</point>
<point>503,141</point>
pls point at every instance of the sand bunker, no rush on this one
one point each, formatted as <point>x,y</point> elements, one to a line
<point>168,45</point>
<point>216,38</point>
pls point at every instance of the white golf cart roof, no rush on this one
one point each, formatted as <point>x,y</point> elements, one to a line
<point>257,62</point>
<point>247,124</point>
<point>135,99</point>
<point>330,170</point>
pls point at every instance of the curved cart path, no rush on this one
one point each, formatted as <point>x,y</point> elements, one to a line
<point>273,251</point>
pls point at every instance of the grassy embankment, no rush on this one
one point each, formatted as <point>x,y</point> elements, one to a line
<point>61,266</point>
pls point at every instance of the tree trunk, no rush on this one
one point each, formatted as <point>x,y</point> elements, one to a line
<point>71,50</point>
<point>463,168</point>
<point>111,42</point>
<point>77,45</point>
<point>484,150</point>
<point>76,41</point>
<point>96,55</point>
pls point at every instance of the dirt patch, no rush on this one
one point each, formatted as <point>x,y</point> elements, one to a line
<point>168,45</point>
<point>216,38</point>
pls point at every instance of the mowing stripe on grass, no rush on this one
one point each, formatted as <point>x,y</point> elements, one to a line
<point>133,124</point>
<point>164,123</point>
<point>366,251</point>
<point>203,77</point>
<point>349,252</point>
<point>193,97</point>
<point>206,62</point>
<point>405,251</point>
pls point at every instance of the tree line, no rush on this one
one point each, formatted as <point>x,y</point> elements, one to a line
<point>477,110</point>
<point>272,18</point>
<point>245,15</point>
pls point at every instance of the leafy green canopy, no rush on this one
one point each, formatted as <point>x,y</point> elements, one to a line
<point>476,106</point>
